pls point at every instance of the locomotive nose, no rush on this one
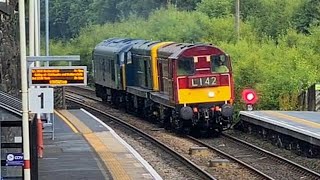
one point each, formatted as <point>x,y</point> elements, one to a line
<point>186,113</point>
<point>227,110</point>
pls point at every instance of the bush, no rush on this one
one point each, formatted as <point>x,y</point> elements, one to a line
<point>278,70</point>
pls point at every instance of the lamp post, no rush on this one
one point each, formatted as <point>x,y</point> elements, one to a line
<point>47,29</point>
<point>47,41</point>
<point>31,27</point>
<point>237,20</point>
<point>24,91</point>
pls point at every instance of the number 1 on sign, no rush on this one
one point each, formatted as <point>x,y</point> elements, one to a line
<point>41,96</point>
<point>41,100</point>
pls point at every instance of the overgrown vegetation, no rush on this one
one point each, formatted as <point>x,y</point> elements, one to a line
<point>278,52</point>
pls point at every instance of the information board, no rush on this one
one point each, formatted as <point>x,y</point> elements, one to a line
<point>58,76</point>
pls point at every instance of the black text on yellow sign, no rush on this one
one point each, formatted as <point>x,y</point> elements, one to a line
<point>58,76</point>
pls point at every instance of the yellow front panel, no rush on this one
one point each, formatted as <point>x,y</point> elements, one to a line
<point>201,95</point>
<point>154,56</point>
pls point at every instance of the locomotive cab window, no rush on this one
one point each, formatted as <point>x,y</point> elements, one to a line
<point>185,67</point>
<point>219,64</point>
<point>113,69</point>
<point>129,58</point>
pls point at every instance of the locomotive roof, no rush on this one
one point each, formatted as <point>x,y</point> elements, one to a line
<point>114,46</point>
<point>174,50</point>
<point>143,48</point>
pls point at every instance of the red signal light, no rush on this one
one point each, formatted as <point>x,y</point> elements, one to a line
<point>249,96</point>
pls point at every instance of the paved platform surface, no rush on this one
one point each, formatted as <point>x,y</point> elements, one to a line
<point>69,157</point>
<point>304,125</point>
<point>86,148</point>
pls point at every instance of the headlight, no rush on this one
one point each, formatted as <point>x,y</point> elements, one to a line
<point>211,94</point>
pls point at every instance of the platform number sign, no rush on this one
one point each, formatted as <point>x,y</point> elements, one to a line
<point>41,100</point>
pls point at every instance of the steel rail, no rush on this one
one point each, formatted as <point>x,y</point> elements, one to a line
<point>251,168</point>
<point>287,162</point>
<point>203,174</point>
<point>300,168</point>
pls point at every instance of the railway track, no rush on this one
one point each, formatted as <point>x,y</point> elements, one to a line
<point>178,144</point>
<point>198,173</point>
<point>271,165</point>
<point>258,162</point>
<point>10,103</point>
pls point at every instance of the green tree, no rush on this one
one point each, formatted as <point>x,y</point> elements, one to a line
<point>188,5</point>
<point>59,14</point>
<point>166,25</point>
<point>68,17</point>
<point>215,8</point>
<point>141,8</point>
<point>278,69</point>
<point>79,16</point>
<point>272,21</point>
<point>249,8</point>
<point>103,11</point>
<point>307,15</point>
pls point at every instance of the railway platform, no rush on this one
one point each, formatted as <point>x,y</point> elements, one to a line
<point>85,148</point>
<point>302,125</point>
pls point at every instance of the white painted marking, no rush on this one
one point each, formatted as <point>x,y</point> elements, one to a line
<point>50,158</point>
<point>133,151</point>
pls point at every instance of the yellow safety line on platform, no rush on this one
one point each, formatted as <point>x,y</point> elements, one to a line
<point>76,122</point>
<point>107,157</point>
<point>295,119</point>
<point>103,152</point>
<point>74,129</point>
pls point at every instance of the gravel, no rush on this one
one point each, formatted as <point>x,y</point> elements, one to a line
<point>311,163</point>
<point>163,164</point>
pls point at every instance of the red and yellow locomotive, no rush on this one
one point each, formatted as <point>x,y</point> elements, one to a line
<point>184,86</point>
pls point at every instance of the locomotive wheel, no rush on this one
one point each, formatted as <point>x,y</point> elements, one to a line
<point>105,99</point>
<point>167,123</point>
<point>186,130</point>
<point>218,131</point>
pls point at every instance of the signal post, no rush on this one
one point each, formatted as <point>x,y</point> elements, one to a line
<point>250,97</point>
